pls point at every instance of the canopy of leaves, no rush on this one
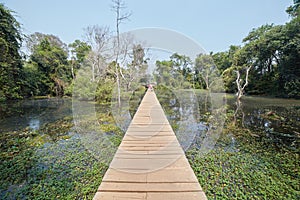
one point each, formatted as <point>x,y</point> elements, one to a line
<point>10,59</point>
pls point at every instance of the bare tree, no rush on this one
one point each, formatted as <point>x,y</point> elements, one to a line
<point>117,7</point>
<point>98,38</point>
<point>136,68</point>
<point>239,82</point>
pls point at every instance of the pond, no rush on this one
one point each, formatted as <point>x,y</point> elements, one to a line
<point>16,115</point>
<point>238,151</point>
<point>274,119</point>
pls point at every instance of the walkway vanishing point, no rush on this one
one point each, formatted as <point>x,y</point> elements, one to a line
<point>149,163</point>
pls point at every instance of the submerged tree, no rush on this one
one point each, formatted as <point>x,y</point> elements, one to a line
<point>241,85</point>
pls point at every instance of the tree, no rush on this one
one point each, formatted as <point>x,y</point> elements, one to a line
<point>294,10</point>
<point>10,59</point>
<point>175,73</point>
<point>52,63</point>
<point>225,64</point>
<point>79,54</point>
<point>241,85</point>
<point>289,70</point>
<point>36,38</point>
<point>163,74</point>
<point>183,71</point>
<point>98,38</point>
<point>204,65</point>
<point>224,60</point>
<point>273,51</point>
<point>118,6</point>
<point>136,69</point>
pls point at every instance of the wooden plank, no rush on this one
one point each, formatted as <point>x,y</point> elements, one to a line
<point>149,187</point>
<point>149,163</point>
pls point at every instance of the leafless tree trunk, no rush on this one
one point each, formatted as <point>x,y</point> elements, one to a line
<point>72,66</point>
<point>238,109</point>
<point>239,83</point>
<point>117,7</point>
<point>98,38</point>
<point>207,80</point>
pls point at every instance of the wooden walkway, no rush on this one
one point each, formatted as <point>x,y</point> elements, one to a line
<point>150,163</point>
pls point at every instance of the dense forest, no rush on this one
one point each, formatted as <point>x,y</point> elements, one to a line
<point>269,56</point>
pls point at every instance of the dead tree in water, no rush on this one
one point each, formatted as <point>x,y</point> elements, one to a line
<point>239,82</point>
<point>240,93</point>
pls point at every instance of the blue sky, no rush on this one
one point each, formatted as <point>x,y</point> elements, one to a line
<point>213,24</point>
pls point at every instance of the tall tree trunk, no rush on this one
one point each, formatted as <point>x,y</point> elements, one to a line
<point>117,6</point>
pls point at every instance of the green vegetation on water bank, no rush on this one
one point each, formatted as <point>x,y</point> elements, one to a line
<point>251,169</point>
<point>54,163</point>
<point>49,163</point>
<point>248,161</point>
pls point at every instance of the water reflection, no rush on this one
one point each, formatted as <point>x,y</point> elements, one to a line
<point>197,120</point>
<point>16,115</point>
<point>276,120</point>
<point>195,117</point>
<point>34,124</point>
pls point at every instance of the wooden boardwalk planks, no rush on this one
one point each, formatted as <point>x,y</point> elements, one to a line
<point>150,163</point>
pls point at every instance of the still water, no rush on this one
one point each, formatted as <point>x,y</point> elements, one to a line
<point>189,114</point>
<point>16,115</point>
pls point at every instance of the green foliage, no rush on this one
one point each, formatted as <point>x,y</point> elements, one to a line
<point>251,168</point>
<point>84,88</point>
<point>273,52</point>
<point>175,73</point>
<point>45,164</point>
<point>294,10</point>
<point>34,80</point>
<point>79,51</point>
<point>292,88</point>
<point>242,175</point>
<point>51,61</point>
<point>10,59</point>
<point>206,70</point>
<point>180,73</point>
<point>104,91</point>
